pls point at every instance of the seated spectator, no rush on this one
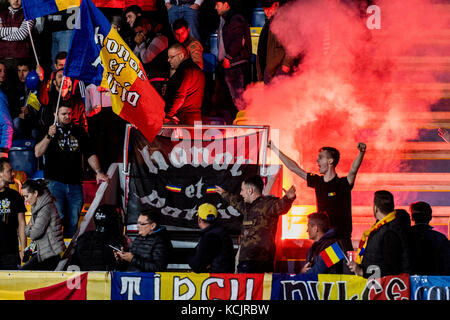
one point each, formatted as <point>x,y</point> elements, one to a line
<point>44,228</point>
<point>151,249</point>
<point>385,244</point>
<point>14,36</point>
<point>131,13</point>
<point>92,250</point>
<point>151,49</point>
<point>6,126</point>
<point>26,117</point>
<point>430,250</point>
<point>185,89</point>
<point>126,32</point>
<point>319,230</point>
<point>192,45</point>
<point>214,251</point>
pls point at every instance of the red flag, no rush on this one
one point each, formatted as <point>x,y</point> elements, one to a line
<point>72,289</point>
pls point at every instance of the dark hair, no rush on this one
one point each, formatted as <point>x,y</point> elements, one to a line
<point>152,216</point>
<point>39,185</point>
<point>25,62</point>
<point>321,220</point>
<point>333,153</point>
<point>133,8</point>
<point>3,160</point>
<point>384,200</point>
<point>255,181</point>
<point>179,47</point>
<point>179,23</point>
<point>144,20</point>
<point>61,55</point>
<point>421,212</point>
<point>403,216</point>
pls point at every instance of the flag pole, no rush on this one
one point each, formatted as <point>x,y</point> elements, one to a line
<point>59,98</point>
<point>32,43</point>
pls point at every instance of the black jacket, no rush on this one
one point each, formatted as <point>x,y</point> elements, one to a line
<point>388,249</point>
<point>185,90</point>
<point>214,252</point>
<point>236,38</point>
<point>430,251</point>
<point>93,253</point>
<point>151,253</point>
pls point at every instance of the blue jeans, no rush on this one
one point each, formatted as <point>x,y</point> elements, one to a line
<point>69,202</point>
<point>235,80</point>
<point>190,15</point>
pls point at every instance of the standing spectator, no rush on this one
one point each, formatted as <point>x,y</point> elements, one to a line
<point>151,49</point>
<point>214,252</point>
<point>12,220</point>
<point>319,230</point>
<point>272,59</point>
<point>185,89</point>
<point>70,96</point>
<point>385,244</point>
<point>192,45</point>
<point>151,249</point>
<point>44,228</point>
<point>234,51</point>
<point>430,250</point>
<point>333,194</point>
<point>64,146</point>
<point>187,10</point>
<point>14,36</point>
<point>6,126</point>
<point>257,239</point>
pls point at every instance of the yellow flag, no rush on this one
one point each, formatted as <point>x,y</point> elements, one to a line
<point>33,101</point>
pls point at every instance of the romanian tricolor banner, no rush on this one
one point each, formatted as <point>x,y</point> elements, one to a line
<point>332,255</point>
<point>98,55</point>
<point>38,8</point>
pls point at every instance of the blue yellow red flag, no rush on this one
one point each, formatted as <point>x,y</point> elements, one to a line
<point>332,254</point>
<point>98,55</point>
<point>38,8</point>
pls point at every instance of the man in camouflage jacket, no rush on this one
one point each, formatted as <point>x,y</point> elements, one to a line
<point>259,226</point>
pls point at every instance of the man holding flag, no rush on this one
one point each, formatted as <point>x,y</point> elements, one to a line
<point>98,55</point>
<point>325,255</point>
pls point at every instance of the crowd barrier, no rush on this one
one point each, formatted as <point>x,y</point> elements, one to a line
<point>36,285</point>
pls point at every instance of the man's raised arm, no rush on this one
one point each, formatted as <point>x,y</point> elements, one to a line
<point>356,163</point>
<point>288,162</point>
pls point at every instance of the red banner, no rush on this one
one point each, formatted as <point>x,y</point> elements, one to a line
<point>146,5</point>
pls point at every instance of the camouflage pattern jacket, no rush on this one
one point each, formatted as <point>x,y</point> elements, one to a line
<point>259,226</point>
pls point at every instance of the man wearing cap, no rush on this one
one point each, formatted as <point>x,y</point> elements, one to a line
<point>214,252</point>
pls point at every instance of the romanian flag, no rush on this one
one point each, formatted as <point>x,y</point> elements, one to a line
<point>38,8</point>
<point>98,55</point>
<point>173,188</point>
<point>332,255</point>
<point>211,190</point>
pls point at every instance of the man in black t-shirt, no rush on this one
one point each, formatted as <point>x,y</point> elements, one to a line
<point>333,194</point>
<point>64,146</point>
<point>12,220</point>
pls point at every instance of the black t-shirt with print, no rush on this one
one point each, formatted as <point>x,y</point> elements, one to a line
<point>11,203</point>
<point>335,198</point>
<point>64,155</point>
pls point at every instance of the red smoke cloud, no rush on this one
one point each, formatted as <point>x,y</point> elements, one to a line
<point>351,85</point>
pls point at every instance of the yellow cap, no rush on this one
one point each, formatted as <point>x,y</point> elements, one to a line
<point>207,212</point>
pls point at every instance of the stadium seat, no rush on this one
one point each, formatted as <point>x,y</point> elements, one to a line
<point>258,17</point>
<point>22,158</point>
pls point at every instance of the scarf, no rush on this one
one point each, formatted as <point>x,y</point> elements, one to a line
<point>366,234</point>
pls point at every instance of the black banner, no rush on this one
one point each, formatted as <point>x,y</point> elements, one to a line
<point>175,175</point>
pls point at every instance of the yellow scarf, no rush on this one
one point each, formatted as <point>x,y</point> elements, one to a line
<point>363,243</point>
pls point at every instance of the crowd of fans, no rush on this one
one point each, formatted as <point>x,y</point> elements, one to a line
<point>70,120</point>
